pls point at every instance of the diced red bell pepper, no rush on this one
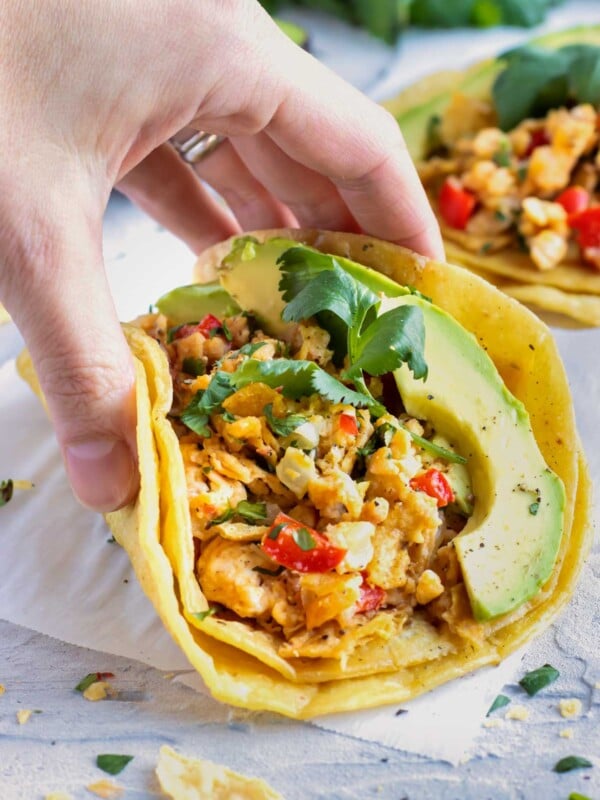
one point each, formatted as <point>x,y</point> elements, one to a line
<point>371,597</point>
<point>435,484</point>
<point>574,200</point>
<point>587,223</point>
<point>456,204</point>
<point>206,325</point>
<point>538,139</point>
<point>298,547</point>
<point>348,424</point>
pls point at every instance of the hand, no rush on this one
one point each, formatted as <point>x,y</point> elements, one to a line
<point>91,92</point>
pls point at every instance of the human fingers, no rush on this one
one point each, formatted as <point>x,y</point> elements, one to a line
<point>167,189</point>
<point>252,204</point>
<point>51,244</point>
<point>339,133</point>
<point>312,198</point>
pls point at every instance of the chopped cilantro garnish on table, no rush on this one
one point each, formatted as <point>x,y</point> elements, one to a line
<point>538,679</point>
<point>112,763</point>
<point>572,762</point>
<point>90,678</point>
<point>500,701</point>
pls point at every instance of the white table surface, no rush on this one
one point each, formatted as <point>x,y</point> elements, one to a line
<point>56,749</point>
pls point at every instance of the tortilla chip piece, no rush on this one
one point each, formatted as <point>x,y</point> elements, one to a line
<point>184,778</point>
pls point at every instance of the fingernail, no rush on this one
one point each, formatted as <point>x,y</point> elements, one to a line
<point>102,472</point>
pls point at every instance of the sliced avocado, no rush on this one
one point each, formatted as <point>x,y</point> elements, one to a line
<point>187,303</point>
<point>476,81</point>
<point>509,545</point>
<point>248,276</point>
<point>458,475</point>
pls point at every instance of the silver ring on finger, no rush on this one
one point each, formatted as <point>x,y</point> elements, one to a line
<point>193,145</point>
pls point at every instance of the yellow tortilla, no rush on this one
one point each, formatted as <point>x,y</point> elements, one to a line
<point>241,666</point>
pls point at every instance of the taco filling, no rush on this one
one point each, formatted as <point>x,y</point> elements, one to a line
<point>312,519</point>
<point>323,513</point>
<point>533,187</point>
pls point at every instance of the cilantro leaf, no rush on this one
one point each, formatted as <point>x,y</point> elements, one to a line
<point>298,266</point>
<point>282,426</point>
<point>436,449</point>
<point>401,331</point>
<point>316,285</point>
<point>202,615</point>
<point>224,517</point>
<point>327,386</point>
<point>251,512</point>
<point>86,682</point>
<point>193,366</point>
<point>92,677</point>
<point>332,290</point>
<point>538,679</point>
<point>297,379</point>
<point>304,539</point>
<point>197,413</point>
<point>112,763</point>
<point>250,348</point>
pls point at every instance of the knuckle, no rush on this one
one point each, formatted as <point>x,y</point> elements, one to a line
<point>88,393</point>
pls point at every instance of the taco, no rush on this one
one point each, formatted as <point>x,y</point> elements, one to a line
<point>509,153</point>
<point>360,473</point>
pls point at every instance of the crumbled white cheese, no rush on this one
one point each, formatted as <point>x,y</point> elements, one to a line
<point>517,712</point>
<point>569,707</point>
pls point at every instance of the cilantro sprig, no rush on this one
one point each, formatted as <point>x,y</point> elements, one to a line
<point>315,284</point>
<point>537,80</point>
<point>253,513</point>
<point>282,426</point>
<point>197,414</point>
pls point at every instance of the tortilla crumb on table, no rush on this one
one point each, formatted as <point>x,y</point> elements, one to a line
<point>23,715</point>
<point>569,707</point>
<point>99,690</point>
<point>567,733</point>
<point>2,689</point>
<point>58,796</point>
<point>105,789</point>
<point>518,713</point>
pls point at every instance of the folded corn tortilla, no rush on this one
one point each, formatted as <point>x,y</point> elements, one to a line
<point>241,665</point>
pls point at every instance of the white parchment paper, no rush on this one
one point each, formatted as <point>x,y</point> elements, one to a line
<point>60,574</point>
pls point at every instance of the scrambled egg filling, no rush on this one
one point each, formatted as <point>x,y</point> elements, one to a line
<point>364,539</point>
<point>524,188</point>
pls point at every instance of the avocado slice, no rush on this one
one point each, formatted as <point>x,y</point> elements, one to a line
<point>508,548</point>
<point>434,91</point>
<point>509,545</point>
<point>187,303</point>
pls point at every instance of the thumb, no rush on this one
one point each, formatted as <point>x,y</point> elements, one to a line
<point>53,283</point>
